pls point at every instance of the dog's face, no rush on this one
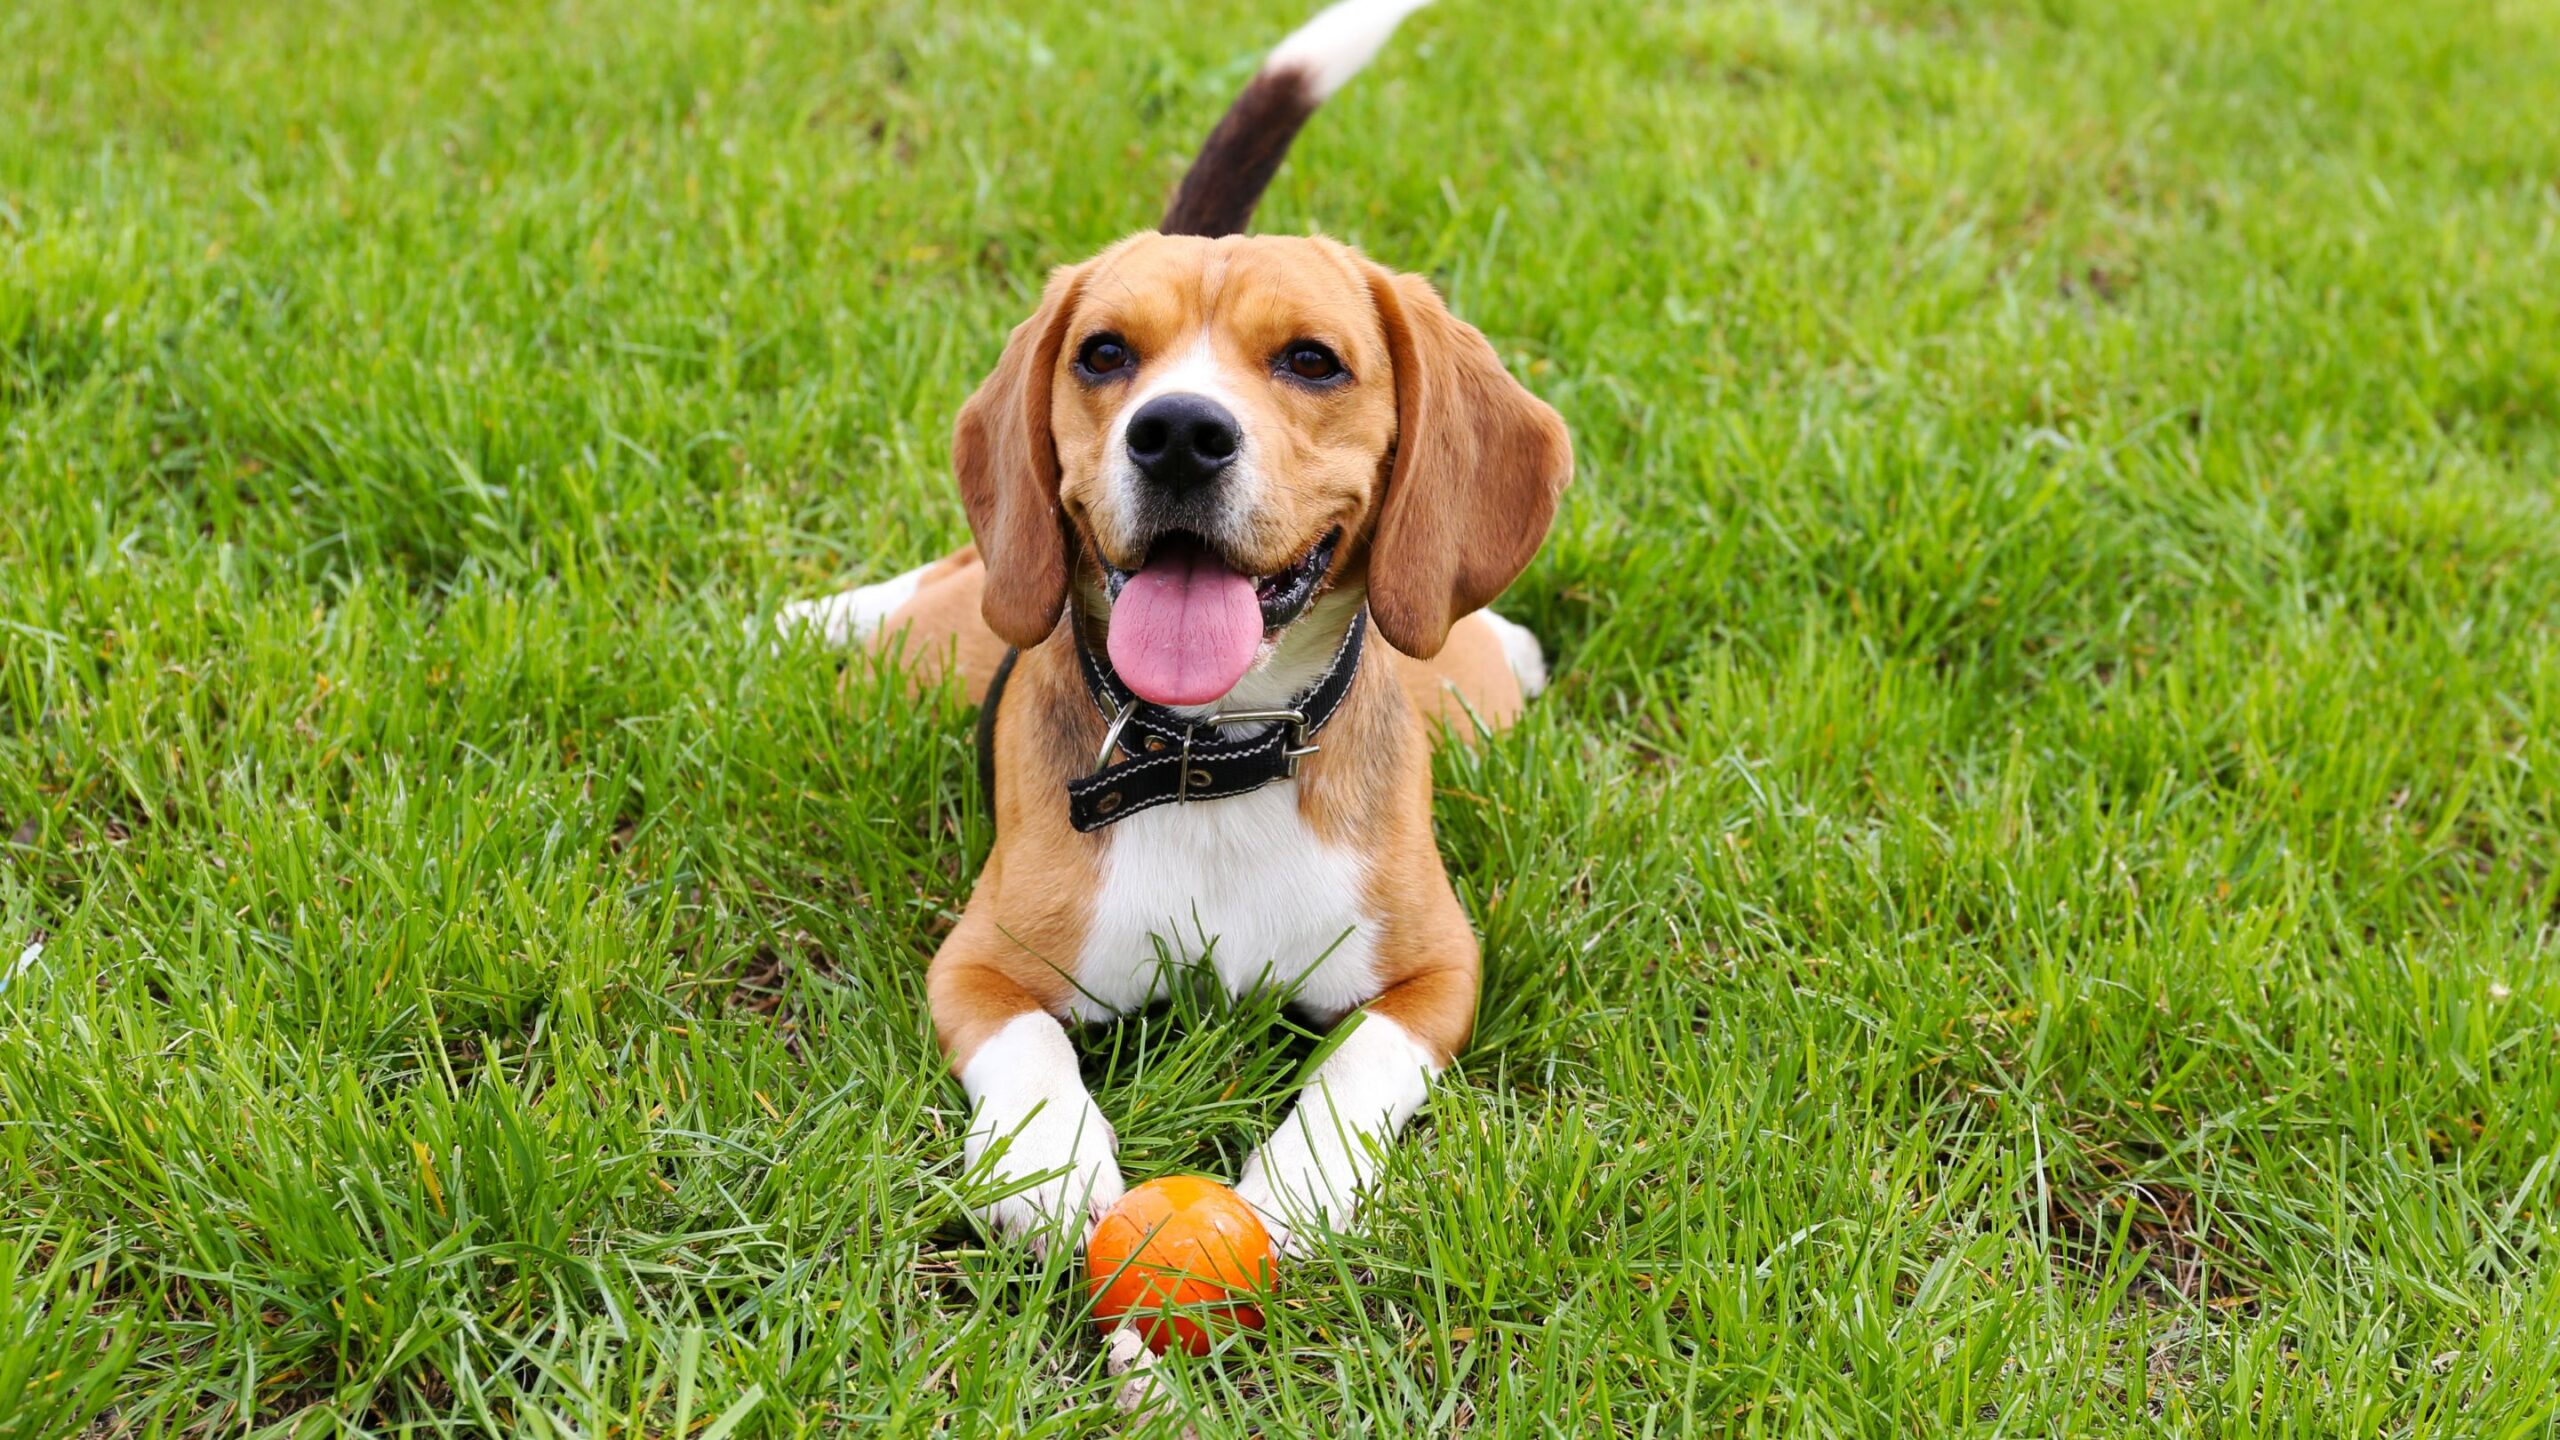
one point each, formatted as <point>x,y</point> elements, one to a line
<point>1233,398</point>
<point>1212,432</point>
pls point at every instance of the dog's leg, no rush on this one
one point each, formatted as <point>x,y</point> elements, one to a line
<point>853,617</point>
<point>1483,677</point>
<point>1309,1175</point>
<point>1033,1128</point>
<point>931,614</point>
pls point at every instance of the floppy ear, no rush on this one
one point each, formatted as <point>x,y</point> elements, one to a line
<point>1479,462</point>
<point>1007,465</point>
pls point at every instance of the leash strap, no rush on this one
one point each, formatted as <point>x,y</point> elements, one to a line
<point>1174,759</point>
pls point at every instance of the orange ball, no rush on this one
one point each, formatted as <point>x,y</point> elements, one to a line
<point>1171,1253</point>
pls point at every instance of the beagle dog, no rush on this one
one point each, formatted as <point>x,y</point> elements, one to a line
<point>1238,502</point>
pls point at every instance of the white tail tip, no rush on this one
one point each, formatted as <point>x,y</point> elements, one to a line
<point>1340,42</point>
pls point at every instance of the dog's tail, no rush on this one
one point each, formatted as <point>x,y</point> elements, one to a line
<point>1226,181</point>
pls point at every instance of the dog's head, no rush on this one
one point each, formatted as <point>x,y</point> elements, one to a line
<point>1206,433</point>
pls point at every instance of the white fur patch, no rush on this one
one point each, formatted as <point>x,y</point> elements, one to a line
<point>1243,881</point>
<point>852,616</point>
<point>1328,1148</point>
<point>1528,659</point>
<point>1031,1109</point>
<point>1340,42</point>
<point>1195,371</point>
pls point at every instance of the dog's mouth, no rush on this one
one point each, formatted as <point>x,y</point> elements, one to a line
<point>1185,624</point>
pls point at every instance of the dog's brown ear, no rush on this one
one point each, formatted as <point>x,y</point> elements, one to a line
<point>1479,463</point>
<point>1007,464</point>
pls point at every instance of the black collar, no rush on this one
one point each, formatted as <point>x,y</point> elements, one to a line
<point>1175,758</point>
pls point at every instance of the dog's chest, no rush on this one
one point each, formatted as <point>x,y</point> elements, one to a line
<point>1244,882</point>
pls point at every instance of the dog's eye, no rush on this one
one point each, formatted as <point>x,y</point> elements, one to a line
<point>1103,355</point>
<point>1310,361</point>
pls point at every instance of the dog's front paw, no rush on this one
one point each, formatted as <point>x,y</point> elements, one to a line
<point>1294,1196</point>
<point>1038,1146</point>
<point>1307,1178</point>
<point>1054,1171</point>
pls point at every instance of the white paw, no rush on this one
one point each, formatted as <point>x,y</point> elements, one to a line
<point>1310,1207</point>
<point>852,616</point>
<point>1066,1156</point>
<point>1037,1135</point>
<point>1307,1178</point>
<point>1527,657</point>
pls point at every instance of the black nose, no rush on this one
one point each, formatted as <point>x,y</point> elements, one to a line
<point>1182,441</point>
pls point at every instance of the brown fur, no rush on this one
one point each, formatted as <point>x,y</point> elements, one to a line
<point>941,628</point>
<point>1016,944</point>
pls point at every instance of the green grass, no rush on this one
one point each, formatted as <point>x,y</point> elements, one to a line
<point>2030,909</point>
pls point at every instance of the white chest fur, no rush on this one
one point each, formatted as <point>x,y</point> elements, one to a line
<point>1245,883</point>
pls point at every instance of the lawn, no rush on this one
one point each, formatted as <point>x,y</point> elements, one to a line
<point>2031,907</point>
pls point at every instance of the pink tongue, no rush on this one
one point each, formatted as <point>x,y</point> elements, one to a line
<point>1184,629</point>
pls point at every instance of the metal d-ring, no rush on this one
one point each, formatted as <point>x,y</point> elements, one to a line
<point>1111,735</point>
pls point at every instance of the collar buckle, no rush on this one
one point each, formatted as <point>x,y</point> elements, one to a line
<point>1298,748</point>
